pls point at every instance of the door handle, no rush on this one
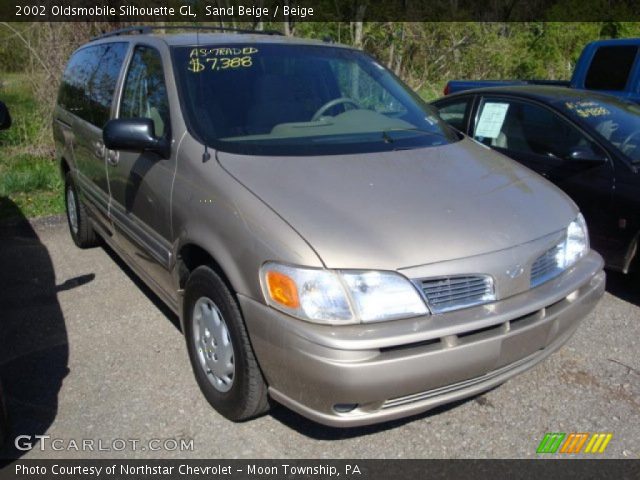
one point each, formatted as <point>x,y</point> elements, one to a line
<point>98,149</point>
<point>113,158</point>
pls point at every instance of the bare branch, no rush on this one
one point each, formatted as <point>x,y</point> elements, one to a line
<point>28,45</point>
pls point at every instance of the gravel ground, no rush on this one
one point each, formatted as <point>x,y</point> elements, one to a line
<point>91,354</point>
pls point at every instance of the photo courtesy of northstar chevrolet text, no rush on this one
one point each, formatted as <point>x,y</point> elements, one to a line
<point>326,231</point>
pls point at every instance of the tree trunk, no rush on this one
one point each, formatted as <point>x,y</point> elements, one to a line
<point>356,35</point>
<point>287,25</point>
<point>358,24</point>
<point>398,69</point>
<point>259,25</point>
<point>392,47</point>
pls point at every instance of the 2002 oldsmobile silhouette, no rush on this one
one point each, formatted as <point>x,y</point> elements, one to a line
<point>327,240</point>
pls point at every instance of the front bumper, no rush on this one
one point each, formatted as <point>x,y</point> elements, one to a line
<point>361,374</point>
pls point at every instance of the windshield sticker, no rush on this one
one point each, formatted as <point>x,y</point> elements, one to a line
<point>491,120</point>
<point>586,109</point>
<point>220,58</point>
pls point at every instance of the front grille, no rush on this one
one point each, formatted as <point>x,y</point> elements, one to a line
<point>454,293</point>
<point>546,266</point>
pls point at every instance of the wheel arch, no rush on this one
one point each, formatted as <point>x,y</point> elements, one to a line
<point>64,167</point>
<point>191,255</point>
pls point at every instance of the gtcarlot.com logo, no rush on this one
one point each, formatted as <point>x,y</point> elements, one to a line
<point>574,443</point>
<point>45,442</point>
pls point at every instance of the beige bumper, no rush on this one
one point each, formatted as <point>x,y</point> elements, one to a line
<point>363,374</point>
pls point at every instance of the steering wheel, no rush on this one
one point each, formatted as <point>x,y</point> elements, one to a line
<point>333,103</point>
<point>627,141</point>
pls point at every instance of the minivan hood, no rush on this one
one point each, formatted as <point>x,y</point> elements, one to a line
<point>392,210</point>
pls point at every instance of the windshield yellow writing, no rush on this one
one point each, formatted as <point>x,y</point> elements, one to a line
<point>588,109</point>
<point>220,58</point>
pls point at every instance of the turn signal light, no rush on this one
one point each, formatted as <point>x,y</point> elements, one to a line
<point>282,289</point>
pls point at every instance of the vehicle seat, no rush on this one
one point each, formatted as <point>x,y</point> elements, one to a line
<point>274,103</point>
<point>158,122</point>
<point>147,108</point>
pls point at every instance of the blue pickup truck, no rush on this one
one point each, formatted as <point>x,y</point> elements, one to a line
<point>609,66</point>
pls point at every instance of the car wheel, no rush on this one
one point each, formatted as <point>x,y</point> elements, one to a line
<point>221,356</point>
<point>79,225</point>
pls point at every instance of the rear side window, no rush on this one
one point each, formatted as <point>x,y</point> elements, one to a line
<point>73,88</point>
<point>610,68</point>
<point>89,82</point>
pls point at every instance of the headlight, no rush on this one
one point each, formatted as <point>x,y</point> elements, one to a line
<point>340,297</point>
<point>576,245</point>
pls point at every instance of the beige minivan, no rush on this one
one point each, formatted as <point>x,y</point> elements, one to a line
<point>328,242</point>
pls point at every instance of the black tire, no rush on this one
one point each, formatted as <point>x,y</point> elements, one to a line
<point>247,397</point>
<point>84,235</point>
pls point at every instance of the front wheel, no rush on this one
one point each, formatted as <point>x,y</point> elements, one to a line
<point>221,356</point>
<point>80,227</point>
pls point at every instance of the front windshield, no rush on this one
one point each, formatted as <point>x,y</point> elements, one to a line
<point>270,99</point>
<point>616,121</point>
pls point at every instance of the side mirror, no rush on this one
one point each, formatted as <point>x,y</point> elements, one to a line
<point>587,154</point>
<point>134,135</point>
<point>5,118</point>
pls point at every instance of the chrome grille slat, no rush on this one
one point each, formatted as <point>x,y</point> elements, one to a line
<point>545,260</point>
<point>543,264</point>
<point>454,289</point>
<point>452,293</point>
<point>449,298</point>
<point>545,267</point>
<point>434,294</point>
<point>455,280</point>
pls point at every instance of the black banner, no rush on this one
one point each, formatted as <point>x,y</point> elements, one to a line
<point>255,11</point>
<point>582,469</point>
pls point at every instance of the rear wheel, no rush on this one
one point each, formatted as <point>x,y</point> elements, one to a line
<point>219,349</point>
<point>80,227</point>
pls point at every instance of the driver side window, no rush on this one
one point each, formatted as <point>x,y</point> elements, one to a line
<point>145,93</point>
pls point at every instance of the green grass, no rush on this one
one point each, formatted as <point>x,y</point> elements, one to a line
<point>29,176</point>
<point>24,173</point>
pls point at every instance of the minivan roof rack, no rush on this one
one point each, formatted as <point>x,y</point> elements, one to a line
<point>145,29</point>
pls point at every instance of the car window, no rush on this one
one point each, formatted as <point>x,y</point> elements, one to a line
<point>454,113</point>
<point>524,127</point>
<point>73,87</point>
<point>610,67</point>
<point>89,81</point>
<point>103,82</point>
<point>145,93</point>
<point>272,99</point>
<point>365,90</point>
<point>617,121</point>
